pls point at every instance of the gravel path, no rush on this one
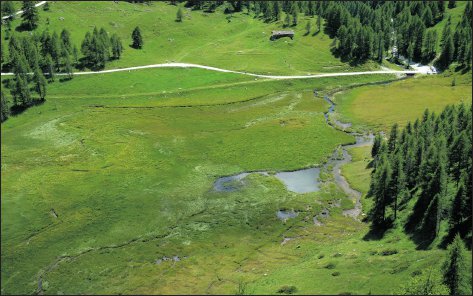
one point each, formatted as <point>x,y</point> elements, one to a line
<point>187,65</point>
<point>21,11</point>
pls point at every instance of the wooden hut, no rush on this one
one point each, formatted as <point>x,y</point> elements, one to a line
<point>279,34</point>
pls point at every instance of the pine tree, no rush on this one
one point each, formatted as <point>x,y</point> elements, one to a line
<point>68,67</point>
<point>457,214</point>
<point>427,17</point>
<point>307,27</point>
<point>137,39</point>
<point>446,56</point>
<point>39,83</point>
<point>49,66</point>
<point>393,138</point>
<point>382,178</point>
<point>455,270</point>
<point>117,46</point>
<point>75,54</point>
<point>5,109</point>
<point>55,50</point>
<point>66,39</point>
<point>30,15</point>
<point>319,23</point>
<point>20,92</point>
<point>376,145</point>
<point>287,20</point>
<point>295,13</point>
<point>105,40</point>
<point>452,4</point>
<point>7,8</point>
<point>179,15</point>
<point>86,45</point>
<point>277,11</point>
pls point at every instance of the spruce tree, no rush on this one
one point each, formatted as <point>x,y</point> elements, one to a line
<point>455,270</point>
<point>5,109</point>
<point>179,15</point>
<point>75,54</point>
<point>137,39</point>
<point>457,214</point>
<point>21,93</point>
<point>49,67</point>
<point>30,15</point>
<point>452,4</point>
<point>447,54</point>
<point>66,39</point>
<point>295,13</point>
<point>39,83</point>
<point>393,138</point>
<point>7,8</point>
<point>376,145</point>
<point>117,46</point>
<point>68,67</point>
<point>287,20</point>
<point>55,50</point>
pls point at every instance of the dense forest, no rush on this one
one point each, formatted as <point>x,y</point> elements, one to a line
<point>422,177</point>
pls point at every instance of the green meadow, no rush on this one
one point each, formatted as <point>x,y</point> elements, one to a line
<point>378,107</point>
<point>108,186</point>
<point>236,42</point>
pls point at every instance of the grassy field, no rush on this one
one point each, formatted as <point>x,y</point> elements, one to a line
<point>97,189</point>
<point>379,107</point>
<point>236,42</point>
<point>115,171</point>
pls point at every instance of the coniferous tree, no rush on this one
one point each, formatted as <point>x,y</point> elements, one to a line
<point>393,138</point>
<point>75,54</point>
<point>376,145</point>
<point>20,92</point>
<point>287,20</point>
<point>455,270</point>
<point>68,67</point>
<point>105,40</point>
<point>66,39</point>
<point>319,23</point>
<point>30,15</point>
<point>7,8</point>
<point>55,50</point>
<point>179,15</point>
<point>382,177</point>
<point>5,109</point>
<point>452,4</point>
<point>447,53</point>
<point>117,46</point>
<point>307,27</point>
<point>39,83</point>
<point>49,66</point>
<point>295,12</point>
<point>458,213</point>
<point>137,39</point>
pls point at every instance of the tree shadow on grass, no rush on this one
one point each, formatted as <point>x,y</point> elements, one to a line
<point>377,232</point>
<point>17,110</point>
<point>23,27</point>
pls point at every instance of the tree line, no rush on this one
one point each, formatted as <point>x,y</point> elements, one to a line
<point>368,30</point>
<point>98,48</point>
<point>422,176</point>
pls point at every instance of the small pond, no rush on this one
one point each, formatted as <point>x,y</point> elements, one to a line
<point>301,181</point>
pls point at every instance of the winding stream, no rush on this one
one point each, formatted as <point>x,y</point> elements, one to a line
<point>307,180</point>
